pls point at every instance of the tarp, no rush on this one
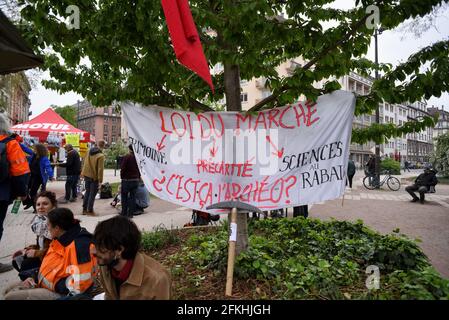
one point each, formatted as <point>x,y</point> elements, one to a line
<point>49,127</point>
<point>284,157</point>
<point>15,55</point>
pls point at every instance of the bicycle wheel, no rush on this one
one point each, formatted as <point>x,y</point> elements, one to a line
<point>393,183</point>
<point>366,183</point>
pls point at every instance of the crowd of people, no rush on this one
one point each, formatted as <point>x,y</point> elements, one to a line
<point>66,261</point>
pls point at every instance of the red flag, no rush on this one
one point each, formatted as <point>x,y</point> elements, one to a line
<point>185,39</point>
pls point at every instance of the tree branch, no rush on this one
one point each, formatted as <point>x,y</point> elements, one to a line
<point>284,88</point>
<point>193,103</point>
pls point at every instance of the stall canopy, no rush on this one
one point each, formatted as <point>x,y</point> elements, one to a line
<point>48,127</point>
<point>15,55</point>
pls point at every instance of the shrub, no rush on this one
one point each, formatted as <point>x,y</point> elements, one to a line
<point>159,238</point>
<point>311,259</point>
<point>391,165</point>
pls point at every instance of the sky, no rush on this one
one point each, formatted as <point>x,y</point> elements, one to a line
<point>393,46</point>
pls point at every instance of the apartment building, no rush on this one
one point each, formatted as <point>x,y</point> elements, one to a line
<point>419,144</point>
<point>395,148</point>
<point>14,97</point>
<point>255,90</point>
<point>442,126</point>
<point>353,82</point>
<point>103,122</point>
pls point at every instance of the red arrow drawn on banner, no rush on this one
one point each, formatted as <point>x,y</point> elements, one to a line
<point>160,145</point>
<point>279,153</point>
<point>214,150</point>
<point>250,160</point>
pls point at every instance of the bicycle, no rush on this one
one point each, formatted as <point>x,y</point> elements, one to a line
<point>370,182</point>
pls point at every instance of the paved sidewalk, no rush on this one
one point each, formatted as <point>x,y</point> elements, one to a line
<point>383,210</point>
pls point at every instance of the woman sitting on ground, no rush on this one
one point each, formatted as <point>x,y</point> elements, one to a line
<point>68,268</point>
<point>29,260</point>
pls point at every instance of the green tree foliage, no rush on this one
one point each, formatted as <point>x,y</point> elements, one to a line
<point>113,151</point>
<point>131,58</point>
<point>68,113</point>
<point>440,158</point>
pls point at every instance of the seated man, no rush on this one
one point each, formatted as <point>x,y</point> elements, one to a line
<point>422,184</point>
<point>125,273</point>
<point>142,198</point>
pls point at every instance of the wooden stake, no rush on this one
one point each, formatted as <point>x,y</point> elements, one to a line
<point>231,252</point>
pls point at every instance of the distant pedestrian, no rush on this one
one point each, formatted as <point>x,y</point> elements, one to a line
<point>406,166</point>
<point>371,165</point>
<point>41,172</point>
<point>351,172</point>
<point>73,170</point>
<point>130,175</point>
<point>93,176</point>
<point>14,174</point>
<point>422,184</point>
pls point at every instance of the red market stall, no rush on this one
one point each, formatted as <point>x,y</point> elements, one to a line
<point>48,127</point>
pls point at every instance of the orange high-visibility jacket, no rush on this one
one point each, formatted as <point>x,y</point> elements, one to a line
<point>69,265</point>
<point>18,164</point>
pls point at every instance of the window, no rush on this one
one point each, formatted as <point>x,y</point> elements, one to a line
<point>105,128</point>
<point>244,97</point>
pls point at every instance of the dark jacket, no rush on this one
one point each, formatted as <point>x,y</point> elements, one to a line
<point>73,163</point>
<point>129,168</point>
<point>351,168</point>
<point>371,165</point>
<point>426,179</point>
<point>46,170</point>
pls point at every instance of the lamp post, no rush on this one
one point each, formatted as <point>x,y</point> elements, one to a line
<point>377,159</point>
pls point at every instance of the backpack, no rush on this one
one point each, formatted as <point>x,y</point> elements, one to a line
<point>105,191</point>
<point>4,163</point>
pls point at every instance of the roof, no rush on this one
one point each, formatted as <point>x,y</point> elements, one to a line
<point>15,54</point>
<point>48,123</point>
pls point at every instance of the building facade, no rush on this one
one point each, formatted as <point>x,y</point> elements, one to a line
<point>353,82</point>
<point>442,126</point>
<point>14,97</point>
<point>255,90</point>
<point>419,144</point>
<point>102,122</point>
<point>395,148</point>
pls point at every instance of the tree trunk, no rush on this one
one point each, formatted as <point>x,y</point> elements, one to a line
<point>233,103</point>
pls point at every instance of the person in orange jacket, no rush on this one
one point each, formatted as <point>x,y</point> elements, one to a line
<point>13,180</point>
<point>68,268</point>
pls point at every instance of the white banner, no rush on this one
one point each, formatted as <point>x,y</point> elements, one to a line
<point>278,158</point>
